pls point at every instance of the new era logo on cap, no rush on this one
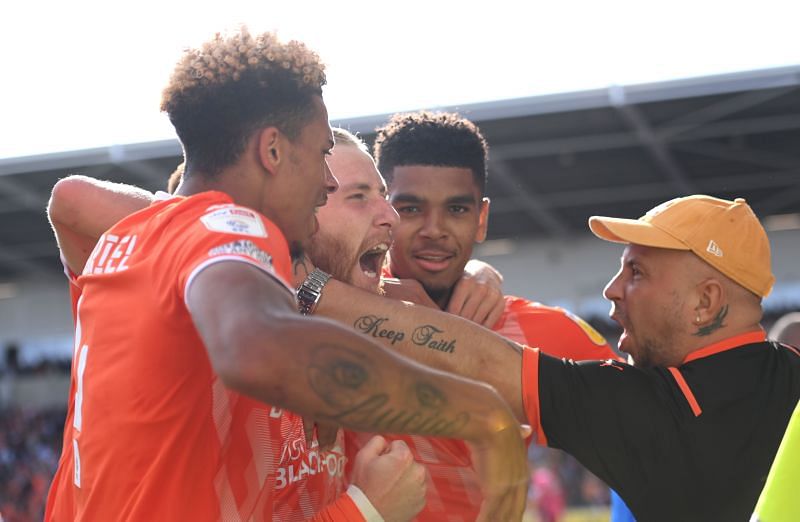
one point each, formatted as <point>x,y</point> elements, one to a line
<point>713,248</point>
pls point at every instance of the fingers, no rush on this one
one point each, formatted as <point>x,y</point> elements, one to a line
<point>490,309</point>
<point>477,302</point>
<point>375,446</point>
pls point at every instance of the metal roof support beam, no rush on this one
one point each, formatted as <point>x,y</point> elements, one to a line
<point>778,201</point>
<point>716,111</point>
<point>653,143</point>
<point>530,203</point>
<point>23,195</point>
<point>647,191</point>
<point>620,140</point>
<point>740,154</point>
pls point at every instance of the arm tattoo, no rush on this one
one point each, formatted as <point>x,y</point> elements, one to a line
<point>715,325</point>
<point>426,335</point>
<point>348,383</point>
<point>298,266</point>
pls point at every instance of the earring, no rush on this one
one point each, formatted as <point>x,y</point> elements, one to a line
<point>697,319</point>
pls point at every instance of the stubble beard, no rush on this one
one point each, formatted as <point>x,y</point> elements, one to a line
<point>332,256</point>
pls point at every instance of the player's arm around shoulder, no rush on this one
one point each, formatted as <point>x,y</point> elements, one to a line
<point>82,208</point>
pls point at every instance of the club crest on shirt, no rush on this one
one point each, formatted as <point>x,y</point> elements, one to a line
<point>596,337</point>
<point>245,248</point>
<point>234,220</point>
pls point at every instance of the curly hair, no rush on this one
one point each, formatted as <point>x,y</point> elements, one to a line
<point>235,84</point>
<point>432,138</point>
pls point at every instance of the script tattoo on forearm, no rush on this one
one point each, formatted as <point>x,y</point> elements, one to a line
<point>345,380</point>
<point>715,325</point>
<point>426,335</point>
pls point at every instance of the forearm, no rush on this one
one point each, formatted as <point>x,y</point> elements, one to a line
<point>431,337</point>
<point>357,384</point>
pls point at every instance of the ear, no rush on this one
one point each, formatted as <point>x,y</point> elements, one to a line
<point>270,148</point>
<point>711,300</point>
<point>483,221</point>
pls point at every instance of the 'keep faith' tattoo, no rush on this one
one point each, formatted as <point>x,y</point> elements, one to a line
<point>426,335</point>
<point>373,325</point>
<point>715,325</point>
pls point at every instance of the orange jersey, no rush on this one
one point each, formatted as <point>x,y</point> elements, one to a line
<point>60,504</point>
<point>152,433</point>
<point>454,493</point>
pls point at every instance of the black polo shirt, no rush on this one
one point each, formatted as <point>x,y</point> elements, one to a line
<point>678,444</point>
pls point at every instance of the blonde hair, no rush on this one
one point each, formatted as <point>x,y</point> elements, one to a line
<point>345,137</point>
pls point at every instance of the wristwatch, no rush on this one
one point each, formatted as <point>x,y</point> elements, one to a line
<point>310,290</point>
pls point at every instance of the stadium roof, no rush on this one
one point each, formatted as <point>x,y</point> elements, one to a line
<point>555,159</point>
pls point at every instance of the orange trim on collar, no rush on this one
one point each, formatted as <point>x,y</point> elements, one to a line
<point>736,341</point>
<point>687,392</point>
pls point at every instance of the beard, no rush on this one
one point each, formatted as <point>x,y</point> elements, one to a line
<point>659,348</point>
<point>331,255</point>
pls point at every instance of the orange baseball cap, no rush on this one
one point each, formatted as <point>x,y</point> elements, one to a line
<point>725,234</point>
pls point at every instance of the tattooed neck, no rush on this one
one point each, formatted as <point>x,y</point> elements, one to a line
<point>715,325</point>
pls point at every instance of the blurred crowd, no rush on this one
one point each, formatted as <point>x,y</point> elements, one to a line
<point>30,444</point>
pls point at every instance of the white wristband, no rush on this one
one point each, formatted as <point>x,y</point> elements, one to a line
<point>363,504</point>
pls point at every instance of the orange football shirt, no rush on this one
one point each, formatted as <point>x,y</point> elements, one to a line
<point>152,433</point>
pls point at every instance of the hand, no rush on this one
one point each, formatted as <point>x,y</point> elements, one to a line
<point>502,467</point>
<point>407,290</point>
<point>478,295</point>
<point>391,480</point>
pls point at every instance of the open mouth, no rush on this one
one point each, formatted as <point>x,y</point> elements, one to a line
<point>371,261</point>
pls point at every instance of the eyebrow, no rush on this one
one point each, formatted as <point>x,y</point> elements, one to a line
<point>465,199</point>
<point>355,186</point>
<point>405,198</point>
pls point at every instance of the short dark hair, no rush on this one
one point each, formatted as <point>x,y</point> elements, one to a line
<point>432,138</point>
<point>234,85</point>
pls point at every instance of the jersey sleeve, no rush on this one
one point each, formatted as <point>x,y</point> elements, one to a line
<point>597,411</point>
<point>232,233</point>
<point>345,509</point>
<point>558,332</point>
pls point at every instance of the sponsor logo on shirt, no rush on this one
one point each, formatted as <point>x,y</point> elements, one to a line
<point>243,247</point>
<point>299,462</point>
<point>234,220</point>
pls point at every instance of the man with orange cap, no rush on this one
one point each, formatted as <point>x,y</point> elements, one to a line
<point>689,430</point>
